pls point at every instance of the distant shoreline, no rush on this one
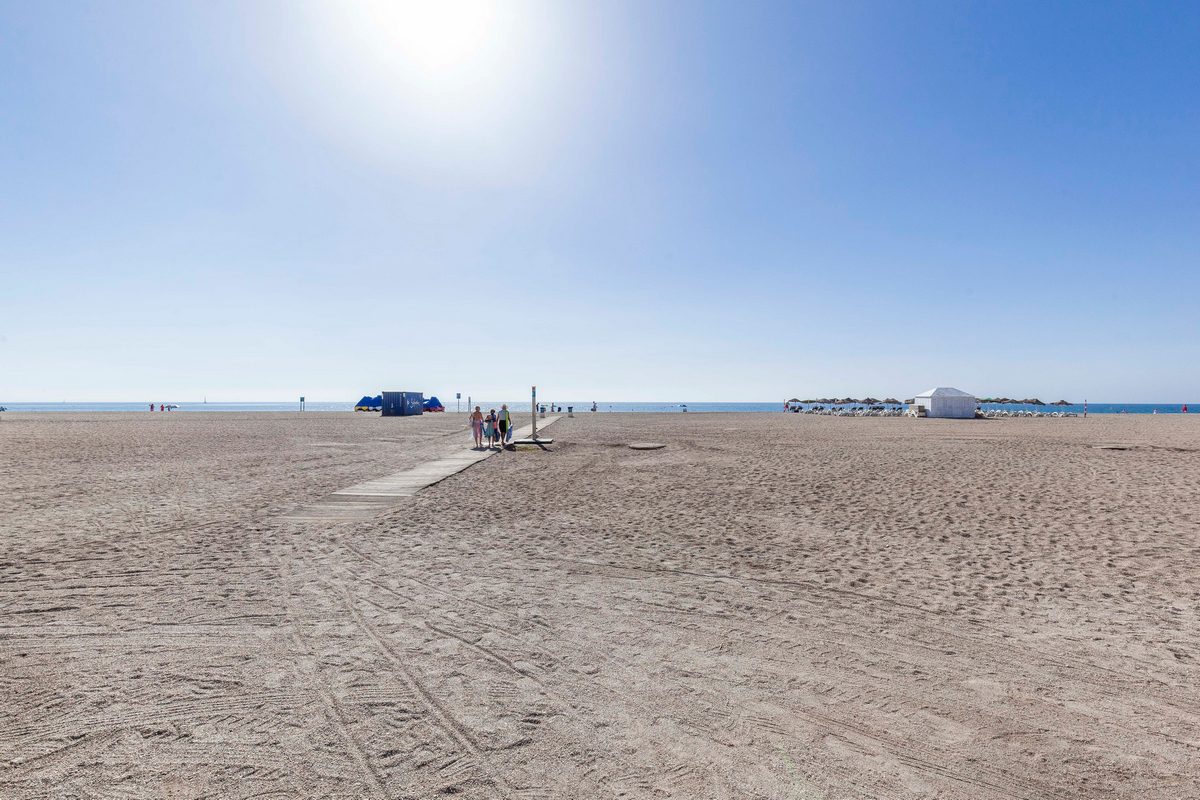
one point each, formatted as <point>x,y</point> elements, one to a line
<point>579,407</point>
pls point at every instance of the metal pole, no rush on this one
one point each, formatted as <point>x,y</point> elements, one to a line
<point>534,413</point>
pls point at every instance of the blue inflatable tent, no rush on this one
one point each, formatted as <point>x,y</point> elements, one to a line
<point>368,403</point>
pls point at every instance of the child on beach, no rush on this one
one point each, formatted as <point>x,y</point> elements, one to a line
<point>490,427</point>
<point>477,426</point>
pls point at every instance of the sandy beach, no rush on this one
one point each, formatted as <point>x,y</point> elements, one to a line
<point>771,606</point>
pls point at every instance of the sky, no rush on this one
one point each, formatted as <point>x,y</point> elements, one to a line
<point>625,201</point>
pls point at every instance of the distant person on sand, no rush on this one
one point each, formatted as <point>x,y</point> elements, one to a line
<point>593,406</point>
<point>152,406</point>
<point>477,426</point>
<point>505,422</point>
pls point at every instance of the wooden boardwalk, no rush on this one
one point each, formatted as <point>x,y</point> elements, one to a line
<point>366,499</point>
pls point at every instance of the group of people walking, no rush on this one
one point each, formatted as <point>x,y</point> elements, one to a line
<point>495,428</point>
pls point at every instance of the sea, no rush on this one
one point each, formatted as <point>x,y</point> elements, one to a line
<point>579,406</point>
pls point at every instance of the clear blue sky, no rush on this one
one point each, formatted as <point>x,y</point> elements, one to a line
<point>614,200</point>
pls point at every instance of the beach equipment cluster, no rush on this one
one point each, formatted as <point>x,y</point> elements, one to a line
<point>852,411</point>
<point>845,401</point>
<point>943,401</point>
<point>1029,401</point>
<point>1004,413</point>
<point>399,404</point>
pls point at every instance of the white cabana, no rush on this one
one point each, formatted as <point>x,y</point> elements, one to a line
<point>947,402</point>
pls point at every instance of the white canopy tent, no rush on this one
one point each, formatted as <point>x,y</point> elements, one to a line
<point>947,402</point>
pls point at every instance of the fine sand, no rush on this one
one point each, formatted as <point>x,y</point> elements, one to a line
<point>771,606</point>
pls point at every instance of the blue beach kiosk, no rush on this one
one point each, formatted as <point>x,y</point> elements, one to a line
<point>403,404</point>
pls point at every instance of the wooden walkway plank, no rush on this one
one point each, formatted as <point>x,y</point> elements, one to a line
<point>366,499</point>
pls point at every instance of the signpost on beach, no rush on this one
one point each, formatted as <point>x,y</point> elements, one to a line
<point>458,401</point>
<point>534,408</point>
<point>301,402</point>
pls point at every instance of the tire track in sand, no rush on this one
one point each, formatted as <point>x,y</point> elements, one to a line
<point>333,712</point>
<point>451,725</point>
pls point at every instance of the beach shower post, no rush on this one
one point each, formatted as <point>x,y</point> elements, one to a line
<point>534,409</point>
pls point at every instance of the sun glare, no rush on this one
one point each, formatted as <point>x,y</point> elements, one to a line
<point>399,78</point>
<point>441,37</point>
<point>433,44</point>
<point>447,52</point>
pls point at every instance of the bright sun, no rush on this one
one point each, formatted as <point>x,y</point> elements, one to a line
<point>429,47</point>
<point>436,37</point>
<point>402,78</point>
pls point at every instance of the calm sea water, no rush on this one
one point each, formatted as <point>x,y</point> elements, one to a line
<point>666,408</point>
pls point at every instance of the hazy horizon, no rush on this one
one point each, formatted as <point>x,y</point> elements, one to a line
<point>621,199</point>
<point>449,401</point>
